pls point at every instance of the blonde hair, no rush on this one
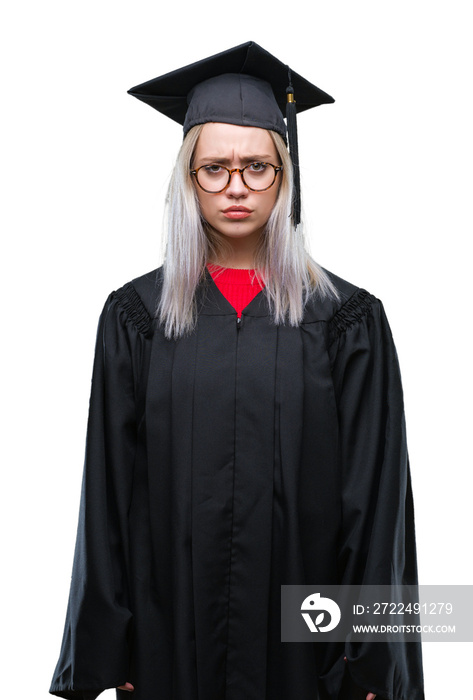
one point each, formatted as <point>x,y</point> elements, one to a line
<point>281,262</point>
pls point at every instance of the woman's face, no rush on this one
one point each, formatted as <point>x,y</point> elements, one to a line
<point>237,212</point>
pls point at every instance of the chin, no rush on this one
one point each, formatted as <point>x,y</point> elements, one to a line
<point>238,230</point>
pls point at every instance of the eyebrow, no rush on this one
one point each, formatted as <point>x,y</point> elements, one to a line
<point>227,161</point>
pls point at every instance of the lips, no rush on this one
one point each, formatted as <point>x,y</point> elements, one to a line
<point>236,212</point>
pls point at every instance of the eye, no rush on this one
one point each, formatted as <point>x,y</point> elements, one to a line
<point>213,169</point>
<point>257,167</point>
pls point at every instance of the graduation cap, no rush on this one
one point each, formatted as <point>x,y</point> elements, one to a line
<point>245,85</point>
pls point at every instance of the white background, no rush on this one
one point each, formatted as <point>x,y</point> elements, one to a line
<point>387,177</point>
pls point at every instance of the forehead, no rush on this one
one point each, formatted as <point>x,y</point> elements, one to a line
<point>227,140</point>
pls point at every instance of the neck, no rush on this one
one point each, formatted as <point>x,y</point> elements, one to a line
<point>239,253</point>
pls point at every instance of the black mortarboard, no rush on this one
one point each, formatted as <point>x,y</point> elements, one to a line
<point>244,85</point>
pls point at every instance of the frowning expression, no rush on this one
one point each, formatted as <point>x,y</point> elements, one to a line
<point>236,212</point>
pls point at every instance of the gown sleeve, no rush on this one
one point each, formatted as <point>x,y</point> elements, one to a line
<point>94,653</point>
<point>377,538</point>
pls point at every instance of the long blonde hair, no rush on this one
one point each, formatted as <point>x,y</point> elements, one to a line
<point>282,262</point>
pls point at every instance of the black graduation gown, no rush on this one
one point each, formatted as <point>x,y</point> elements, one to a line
<point>219,467</point>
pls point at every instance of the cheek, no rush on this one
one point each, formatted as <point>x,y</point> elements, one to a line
<point>207,204</point>
<point>270,201</point>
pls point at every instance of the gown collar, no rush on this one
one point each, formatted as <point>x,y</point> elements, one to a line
<point>211,301</point>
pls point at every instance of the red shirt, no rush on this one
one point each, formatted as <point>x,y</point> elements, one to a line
<point>239,287</point>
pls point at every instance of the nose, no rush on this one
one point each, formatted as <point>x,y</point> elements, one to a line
<point>236,188</point>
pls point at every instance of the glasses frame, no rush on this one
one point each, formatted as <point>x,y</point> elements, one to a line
<point>276,168</point>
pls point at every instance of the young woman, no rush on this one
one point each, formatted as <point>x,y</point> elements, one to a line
<point>246,430</point>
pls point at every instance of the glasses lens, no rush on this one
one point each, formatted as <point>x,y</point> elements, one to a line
<point>259,176</point>
<point>212,178</point>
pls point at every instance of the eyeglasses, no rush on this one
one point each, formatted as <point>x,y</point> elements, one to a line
<point>257,177</point>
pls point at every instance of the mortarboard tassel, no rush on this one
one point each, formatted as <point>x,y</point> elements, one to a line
<point>291,112</point>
